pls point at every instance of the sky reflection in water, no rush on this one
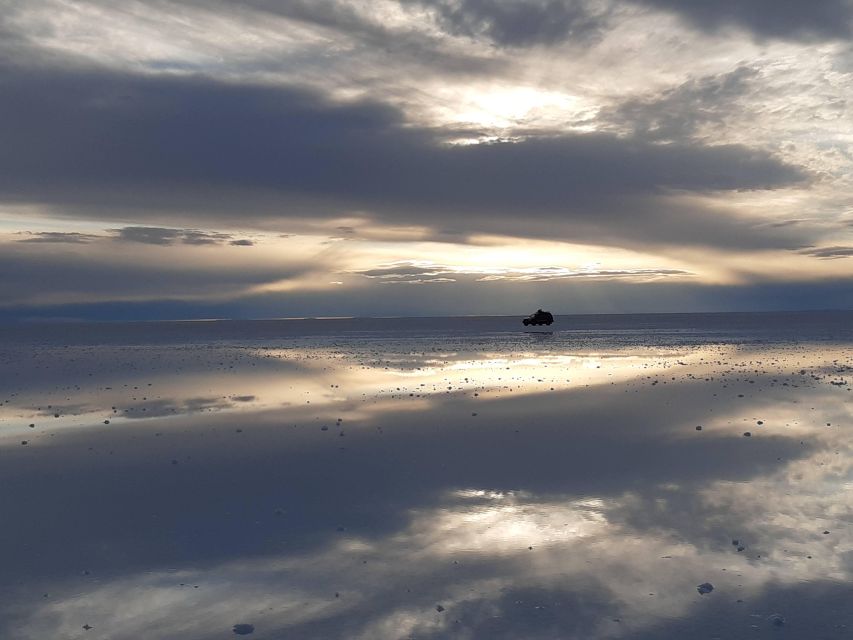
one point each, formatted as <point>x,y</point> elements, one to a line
<point>469,487</point>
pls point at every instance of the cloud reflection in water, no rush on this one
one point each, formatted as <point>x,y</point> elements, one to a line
<point>592,510</point>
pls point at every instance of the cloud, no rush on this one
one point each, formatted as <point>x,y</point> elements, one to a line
<point>246,37</point>
<point>148,235</point>
<point>54,276</point>
<point>788,223</point>
<point>200,237</point>
<point>560,273</point>
<point>829,253</point>
<point>164,237</point>
<point>159,236</point>
<point>209,149</point>
<point>57,237</point>
<point>420,281</point>
<point>700,143</point>
<point>413,272</point>
<point>405,270</point>
<point>518,23</point>
<point>513,23</point>
<point>813,20</point>
<point>678,114</point>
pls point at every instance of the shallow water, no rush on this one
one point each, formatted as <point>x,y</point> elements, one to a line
<point>428,479</point>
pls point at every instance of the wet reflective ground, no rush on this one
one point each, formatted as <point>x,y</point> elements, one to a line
<point>648,478</point>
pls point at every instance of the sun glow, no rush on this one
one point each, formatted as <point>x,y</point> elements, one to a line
<point>512,106</point>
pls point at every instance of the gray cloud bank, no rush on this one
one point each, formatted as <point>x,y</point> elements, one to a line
<point>144,235</point>
<point>543,22</point>
<point>160,236</point>
<point>520,23</point>
<point>811,20</point>
<point>57,237</point>
<point>524,23</point>
<point>97,140</point>
<point>409,272</point>
<point>63,276</point>
<point>517,23</point>
<point>829,253</point>
<point>679,113</point>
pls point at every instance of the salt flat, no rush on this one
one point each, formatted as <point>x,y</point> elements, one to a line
<point>429,478</point>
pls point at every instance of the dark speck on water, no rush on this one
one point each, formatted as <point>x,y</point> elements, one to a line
<point>243,629</point>
<point>776,619</point>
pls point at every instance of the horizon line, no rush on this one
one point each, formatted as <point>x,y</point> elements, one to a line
<point>71,320</point>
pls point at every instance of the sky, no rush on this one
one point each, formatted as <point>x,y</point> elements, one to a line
<point>288,158</point>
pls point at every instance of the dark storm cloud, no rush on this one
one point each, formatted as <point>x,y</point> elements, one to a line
<point>97,140</point>
<point>519,23</point>
<point>789,19</point>
<point>676,114</point>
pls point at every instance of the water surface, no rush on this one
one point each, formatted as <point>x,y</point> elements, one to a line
<point>454,478</point>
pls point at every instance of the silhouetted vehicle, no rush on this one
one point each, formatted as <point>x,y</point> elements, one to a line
<point>540,317</point>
